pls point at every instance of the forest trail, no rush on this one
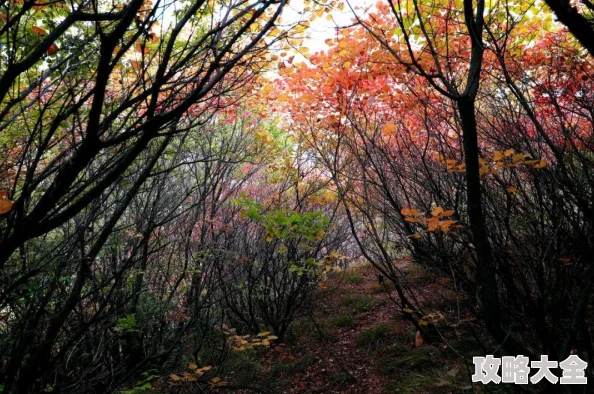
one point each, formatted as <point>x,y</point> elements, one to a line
<point>356,342</point>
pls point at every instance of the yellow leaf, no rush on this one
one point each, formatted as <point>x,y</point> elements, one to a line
<point>517,157</point>
<point>509,152</point>
<point>192,366</point>
<point>215,380</point>
<point>407,310</point>
<point>530,162</point>
<point>437,211</point>
<point>5,206</point>
<point>541,164</point>
<point>347,64</point>
<point>498,155</point>
<point>422,322</point>
<point>343,44</point>
<point>264,333</point>
<point>174,377</point>
<point>344,52</point>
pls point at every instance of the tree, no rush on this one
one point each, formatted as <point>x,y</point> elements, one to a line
<point>396,121</point>
<point>96,98</point>
<point>577,18</point>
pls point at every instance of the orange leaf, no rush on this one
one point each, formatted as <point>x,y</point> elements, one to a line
<point>38,30</point>
<point>52,49</point>
<point>437,211</point>
<point>388,128</point>
<point>410,212</point>
<point>418,339</point>
<point>511,189</point>
<point>5,206</point>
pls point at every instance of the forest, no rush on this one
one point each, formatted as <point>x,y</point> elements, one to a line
<point>296,196</point>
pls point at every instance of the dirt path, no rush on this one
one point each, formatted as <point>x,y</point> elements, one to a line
<point>355,342</point>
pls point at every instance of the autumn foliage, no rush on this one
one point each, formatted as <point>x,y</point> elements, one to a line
<point>178,180</point>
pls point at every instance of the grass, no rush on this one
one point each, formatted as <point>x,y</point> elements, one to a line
<point>347,320</point>
<point>416,369</point>
<point>340,378</point>
<point>353,277</point>
<point>289,368</point>
<point>358,302</point>
<point>306,328</point>
<point>246,371</point>
<point>375,336</point>
<point>396,361</point>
